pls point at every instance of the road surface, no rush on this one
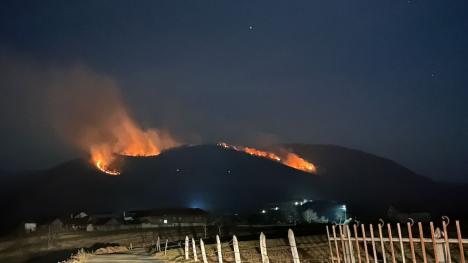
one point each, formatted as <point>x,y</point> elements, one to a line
<point>137,255</point>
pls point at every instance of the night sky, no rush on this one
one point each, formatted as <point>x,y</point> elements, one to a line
<point>386,77</point>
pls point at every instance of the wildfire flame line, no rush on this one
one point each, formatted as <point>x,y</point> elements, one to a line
<point>290,159</point>
<point>130,140</point>
<point>106,170</point>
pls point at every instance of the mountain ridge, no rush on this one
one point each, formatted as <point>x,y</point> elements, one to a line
<point>214,178</point>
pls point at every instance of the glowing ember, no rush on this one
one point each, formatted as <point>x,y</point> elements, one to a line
<point>291,159</point>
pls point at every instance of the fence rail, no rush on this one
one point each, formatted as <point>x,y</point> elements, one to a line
<point>366,245</point>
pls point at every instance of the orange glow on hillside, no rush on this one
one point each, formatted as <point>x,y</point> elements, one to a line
<point>294,161</point>
<point>128,140</point>
<point>291,159</point>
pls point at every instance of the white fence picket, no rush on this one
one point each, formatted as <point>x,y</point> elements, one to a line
<point>158,245</point>
<point>235,244</point>
<point>186,248</point>
<point>194,248</point>
<point>218,247</point>
<point>202,248</point>
<point>263,248</point>
<point>292,244</point>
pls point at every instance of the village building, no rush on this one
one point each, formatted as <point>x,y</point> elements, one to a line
<point>180,217</point>
<point>172,217</point>
<point>304,211</point>
<point>30,227</point>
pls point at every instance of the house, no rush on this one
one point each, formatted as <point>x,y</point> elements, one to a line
<point>79,215</point>
<point>395,215</point>
<point>172,217</point>
<point>30,227</point>
<point>104,224</point>
<point>303,211</point>
<point>89,227</point>
<point>128,217</point>
<point>324,211</point>
<point>75,223</point>
<point>56,225</point>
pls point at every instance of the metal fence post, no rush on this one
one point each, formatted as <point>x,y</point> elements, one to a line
<point>374,251</point>
<point>356,238</point>
<point>423,244</point>
<point>364,238</point>
<point>460,242</point>
<point>330,246</point>
<point>336,244</point>
<point>382,244</point>
<point>401,243</point>
<point>410,236</point>
<point>447,244</point>
<point>392,249</point>
<point>344,247</point>
<point>350,244</point>
<point>434,244</point>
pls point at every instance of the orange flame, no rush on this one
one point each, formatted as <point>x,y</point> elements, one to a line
<point>253,151</point>
<point>291,159</point>
<point>129,140</point>
<point>91,114</point>
<point>105,169</point>
<point>102,157</point>
<point>294,161</point>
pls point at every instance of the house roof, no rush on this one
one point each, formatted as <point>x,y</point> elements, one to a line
<point>106,221</point>
<point>75,221</point>
<point>170,212</point>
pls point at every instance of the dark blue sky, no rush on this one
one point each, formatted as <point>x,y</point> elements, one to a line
<point>387,77</point>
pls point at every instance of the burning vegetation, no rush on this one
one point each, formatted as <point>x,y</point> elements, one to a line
<point>92,115</point>
<point>129,140</point>
<point>288,158</point>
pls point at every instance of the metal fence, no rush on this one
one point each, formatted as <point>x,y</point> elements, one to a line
<point>396,243</point>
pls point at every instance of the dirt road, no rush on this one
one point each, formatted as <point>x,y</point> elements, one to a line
<point>138,256</point>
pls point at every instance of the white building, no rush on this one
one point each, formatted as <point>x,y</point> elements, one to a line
<point>30,227</point>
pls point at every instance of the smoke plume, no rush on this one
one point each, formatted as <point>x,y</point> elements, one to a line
<point>90,113</point>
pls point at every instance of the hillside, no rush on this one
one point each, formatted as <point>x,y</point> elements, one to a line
<point>190,176</point>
